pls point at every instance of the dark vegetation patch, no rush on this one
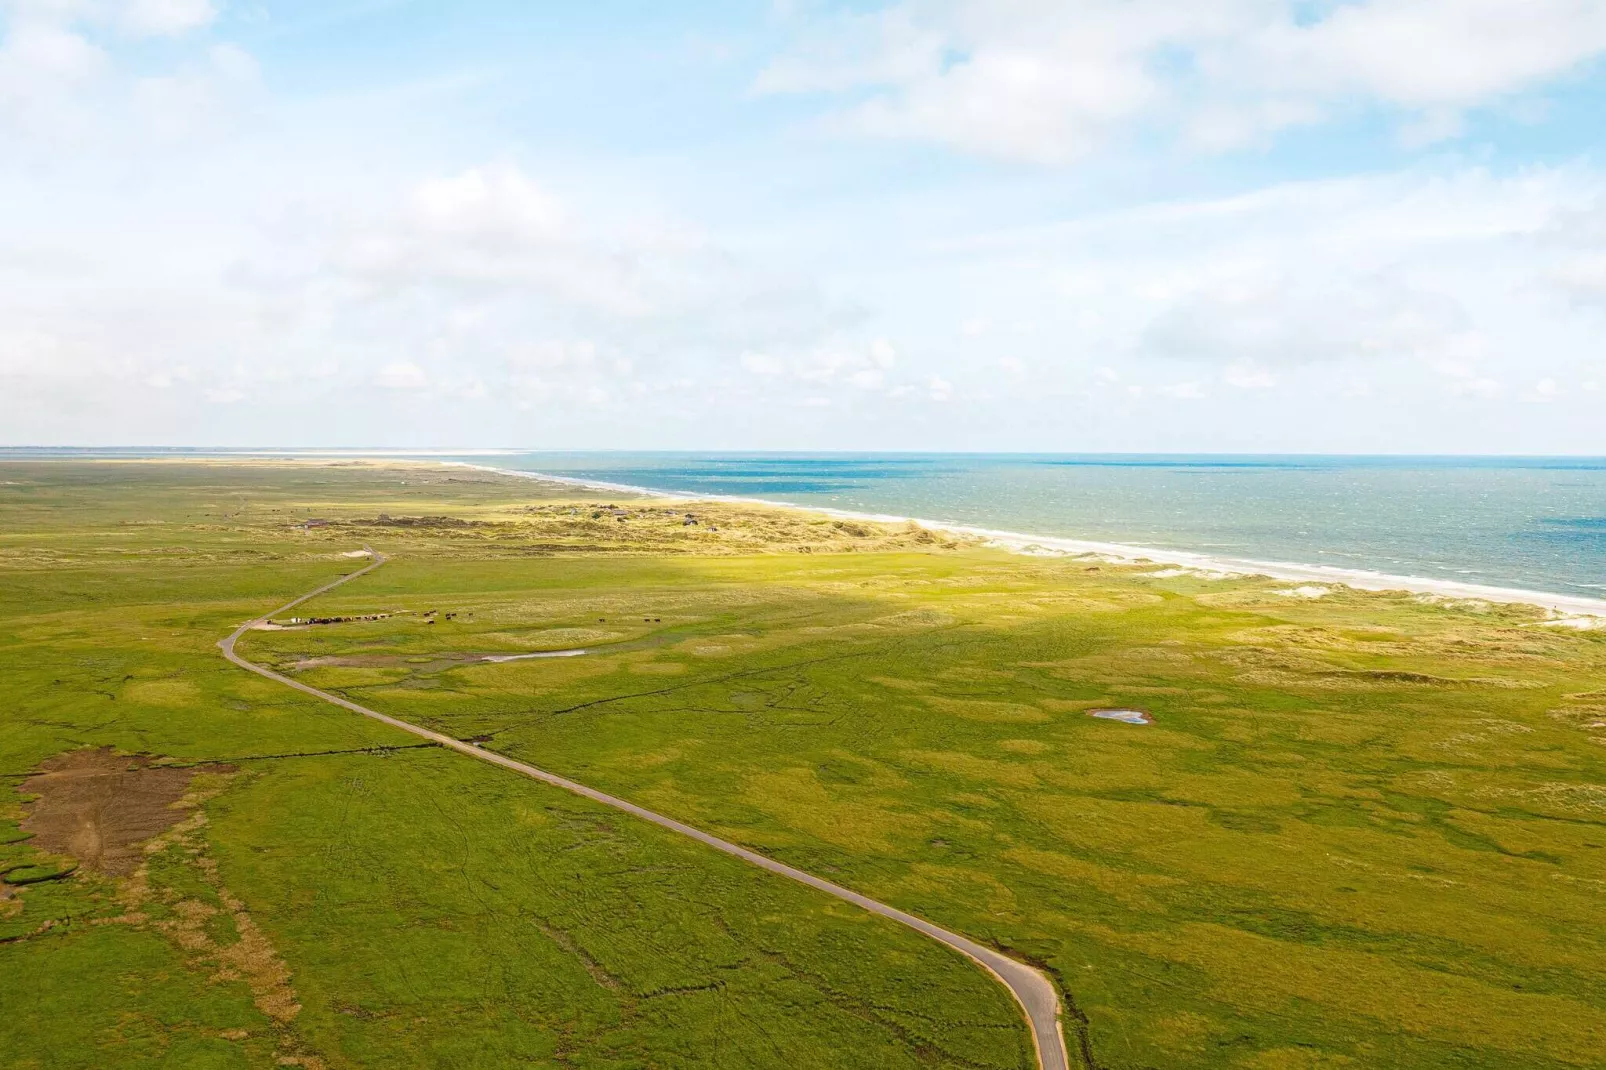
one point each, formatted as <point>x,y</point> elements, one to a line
<point>383,521</point>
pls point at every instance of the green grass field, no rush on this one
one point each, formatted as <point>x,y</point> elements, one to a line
<point>1363,830</point>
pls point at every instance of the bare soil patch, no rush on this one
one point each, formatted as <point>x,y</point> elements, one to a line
<point>100,807</point>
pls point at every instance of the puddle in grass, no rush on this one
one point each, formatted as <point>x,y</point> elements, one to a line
<point>425,662</point>
<point>541,654</point>
<point>1126,716</point>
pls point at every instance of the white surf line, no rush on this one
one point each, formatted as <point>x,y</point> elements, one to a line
<point>1033,991</point>
<point>1020,542</point>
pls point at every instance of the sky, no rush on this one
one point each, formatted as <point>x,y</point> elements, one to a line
<point>1332,226</point>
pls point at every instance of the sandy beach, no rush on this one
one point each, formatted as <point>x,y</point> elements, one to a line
<point>1575,610</point>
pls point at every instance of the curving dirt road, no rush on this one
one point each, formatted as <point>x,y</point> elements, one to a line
<point>1032,990</point>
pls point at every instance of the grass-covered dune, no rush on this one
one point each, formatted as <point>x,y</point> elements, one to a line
<point>1361,830</point>
<point>330,894</point>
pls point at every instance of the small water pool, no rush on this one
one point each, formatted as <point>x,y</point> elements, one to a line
<point>1127,716</point>
<point>541,654</point>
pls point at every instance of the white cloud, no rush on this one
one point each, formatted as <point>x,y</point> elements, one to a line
<point>1049,80</point>
<point>1426,53</point>
<point>545,368</point>
<point>1481,387</point>
<point>552,354</point>
<point>323,265</point>
<point>498,204</point>
<point>1247,375</point>
<point>42,52</point>
<point>1034,80</point>
<point>762,364</point>
<point>481,287</point>
<point>1184,391</point>
<point>1545,389</point>
<point>1581,276</point>
<point>492,245</point>
<point>1467,381</point>
<point>1401,271</point>
<point>1578,239</point>
<point>1268,314</point>
<point>70,81</point>
<point>200,99</point>
<point>42,66</point>
<point>153,18</point>
<point>166,18</point>
<point>857,365</point>
<point>31,352</point>
<point>402,375</point>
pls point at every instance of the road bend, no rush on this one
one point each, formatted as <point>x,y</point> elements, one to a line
<point>1031,988</point>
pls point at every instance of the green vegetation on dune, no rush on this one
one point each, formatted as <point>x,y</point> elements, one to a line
<point>337,896</point>
<point>1363,830</point>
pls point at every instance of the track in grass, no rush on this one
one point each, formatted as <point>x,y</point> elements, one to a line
<point>1034,992</point>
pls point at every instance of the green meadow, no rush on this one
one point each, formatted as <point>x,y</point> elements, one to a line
<point>1362,830</point>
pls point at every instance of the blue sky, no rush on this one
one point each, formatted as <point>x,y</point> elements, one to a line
<point>1073,225</point>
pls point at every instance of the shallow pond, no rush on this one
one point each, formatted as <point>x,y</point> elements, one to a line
<point>1128,716</point>
<point>541,654</point>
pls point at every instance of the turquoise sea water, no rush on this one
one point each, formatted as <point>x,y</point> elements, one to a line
<point>1535,523</point>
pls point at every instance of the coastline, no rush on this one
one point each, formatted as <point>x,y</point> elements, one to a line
<point>1569,607</point>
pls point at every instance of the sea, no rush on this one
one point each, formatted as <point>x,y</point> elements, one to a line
<point>1531,523</point>
<point>1534,523</point>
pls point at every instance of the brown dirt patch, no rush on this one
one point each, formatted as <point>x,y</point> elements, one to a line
<point>99,807</point>
<point>115,813</point>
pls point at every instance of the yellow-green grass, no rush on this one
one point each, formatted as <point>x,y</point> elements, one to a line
<point>1364,830</point>
<point>346,899</point>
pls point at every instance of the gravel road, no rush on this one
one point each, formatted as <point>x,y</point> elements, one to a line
<point>1031,988</point>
